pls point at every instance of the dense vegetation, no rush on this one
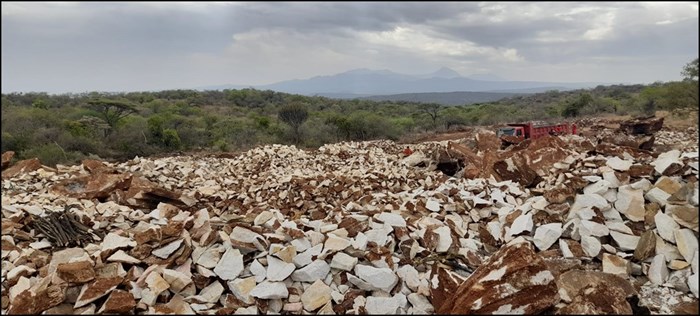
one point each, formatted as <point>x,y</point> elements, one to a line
<point>69,127</point>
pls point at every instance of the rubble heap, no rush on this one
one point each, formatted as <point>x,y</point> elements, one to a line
<point>562,224</point>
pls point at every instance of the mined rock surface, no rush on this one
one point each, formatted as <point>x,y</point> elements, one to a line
<point>459,226</point>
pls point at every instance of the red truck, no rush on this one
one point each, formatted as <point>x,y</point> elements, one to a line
<point>515,133</point>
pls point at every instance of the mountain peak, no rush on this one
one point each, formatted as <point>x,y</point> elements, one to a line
<point>444,72</point>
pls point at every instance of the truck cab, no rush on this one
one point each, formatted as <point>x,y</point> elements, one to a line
<point>517,131</point>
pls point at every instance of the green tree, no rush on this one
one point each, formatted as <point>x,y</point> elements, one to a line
<point>294,114</point>
<point>433,110</point>
<point>690,70</point>
<point>112,111</point>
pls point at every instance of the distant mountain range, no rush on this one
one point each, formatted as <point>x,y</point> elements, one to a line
<point>445,98</point>
<point>359,83</point>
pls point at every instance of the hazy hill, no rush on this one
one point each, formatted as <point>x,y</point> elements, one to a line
<point>445,98</point>
<point>385,82</point>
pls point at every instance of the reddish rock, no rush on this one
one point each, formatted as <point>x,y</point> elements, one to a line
<point>76,272</point>
<point>572,282</point>
<point>686,308</point>
<point>7,158</point>
<point>95,166</point>
<point>352,225</point>
<point>514,279</point>
<point>598,300</point>
<point>487,141</point>
<point>638,171</point>
<point>640,142</point>
<point>119,301</point>
<point>98,288</point>
<point>646,246</point>
<point>29,303</point>
<point>143,193</point>
<point>22,166</point>
<point>443,284</point>
<point>100,185</point>
<point>560,194</point>
<point>517,170</point>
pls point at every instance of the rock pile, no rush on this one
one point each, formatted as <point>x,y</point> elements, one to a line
<point>358,228</point>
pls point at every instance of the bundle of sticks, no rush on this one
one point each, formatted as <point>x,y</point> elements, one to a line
<point>63,229</point>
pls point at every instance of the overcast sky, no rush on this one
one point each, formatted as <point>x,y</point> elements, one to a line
<point>78,47</point>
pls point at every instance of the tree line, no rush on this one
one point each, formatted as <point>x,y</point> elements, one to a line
<point>66,128</point>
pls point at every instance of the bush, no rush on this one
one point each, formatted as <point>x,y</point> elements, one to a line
<point>52,154</point>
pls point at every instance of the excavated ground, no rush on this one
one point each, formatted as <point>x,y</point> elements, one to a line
<point>601,222</point>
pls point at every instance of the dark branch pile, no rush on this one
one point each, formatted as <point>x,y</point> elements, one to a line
<point>63,229</point>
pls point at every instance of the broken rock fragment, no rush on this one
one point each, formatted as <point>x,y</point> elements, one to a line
<point>514,279</point>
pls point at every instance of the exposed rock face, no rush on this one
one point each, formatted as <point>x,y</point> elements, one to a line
<point>514,279</point>
<point>642,126</point>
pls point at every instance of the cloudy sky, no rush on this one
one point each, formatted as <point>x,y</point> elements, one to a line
<point>78,47</point>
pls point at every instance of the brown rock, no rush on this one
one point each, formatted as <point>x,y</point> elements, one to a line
<point>99,185</point>
<point>7,158</point>
<point>570,283</point>
<point>686,308</point>
<point>516,169</point>
<point>487,141</point>
<point>98,288</point>
<point>646,247</point>
<point>650,210</point>
<point>642,126</point>
<point>561,265</point>
<point>443,283</point>
<point>119,301</point>
<point>514,279</point>
<point>639,171</point>
<point>29,303</point>
<point>560,195</point>
<point>668,185</point>
<point>95,166</point>
<point>22,166</point>
<point>636,142</point>
<point>353,226</point>
<point>685,215</point>
<point>76,272</point>
<point>575,248</point>
<point>143,193</point>
<point>151,234</point>
<point>598,300</point>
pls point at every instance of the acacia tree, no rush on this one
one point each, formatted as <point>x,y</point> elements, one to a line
<point>690,70</point>
<point>112,111</point>
<point>432,110</point>
<point>294,114</point>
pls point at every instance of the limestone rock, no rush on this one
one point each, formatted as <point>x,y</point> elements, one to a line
<point>665,225</point>
<point>380,278</point>
<point>343,261</point>
<point>624,241</point>
<point>630,202</point>
<point>547,235</point>
<point>687,243</point>
<point>316,295</point>
<point>270,290</point>
<point>615,265</point>
<point>658,272</point>
<point>312,272</point>
<point>278,270</point>
<point>230,265</point>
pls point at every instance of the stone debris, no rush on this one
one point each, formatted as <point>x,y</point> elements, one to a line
<point>567,224</point>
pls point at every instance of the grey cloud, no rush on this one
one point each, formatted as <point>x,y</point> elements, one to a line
<point>157,45</point>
